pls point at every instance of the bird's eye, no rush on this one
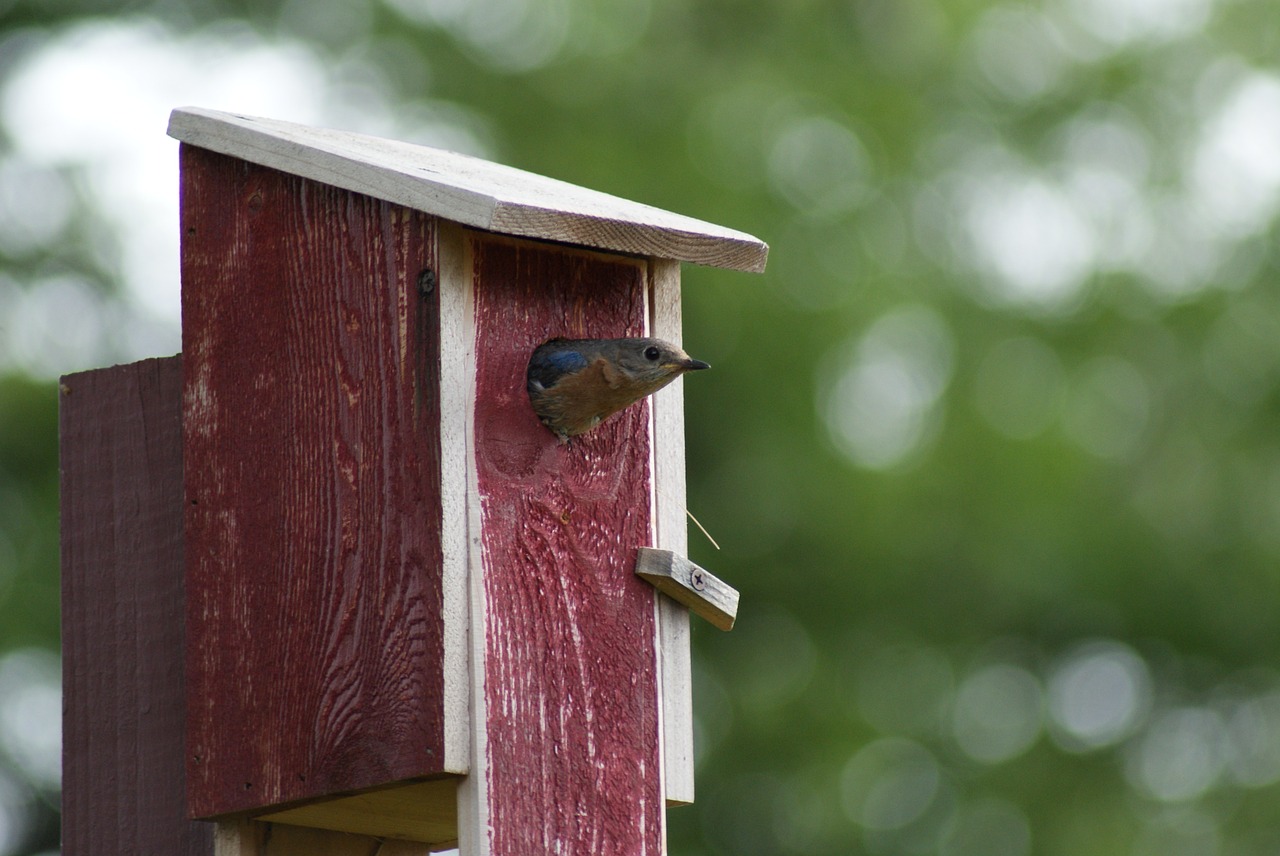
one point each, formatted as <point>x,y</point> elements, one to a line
<point>651,353</point>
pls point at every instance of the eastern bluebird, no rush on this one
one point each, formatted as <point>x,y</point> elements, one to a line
<point>575,384</point>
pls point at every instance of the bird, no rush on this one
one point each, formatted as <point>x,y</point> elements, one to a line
<point>575,384</point>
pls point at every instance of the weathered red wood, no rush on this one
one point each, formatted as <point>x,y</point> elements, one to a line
<point>122,614</point>
<point>570,681</point>
<point>311,408</point>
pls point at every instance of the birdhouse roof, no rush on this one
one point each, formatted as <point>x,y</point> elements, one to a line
<point>468,190</point>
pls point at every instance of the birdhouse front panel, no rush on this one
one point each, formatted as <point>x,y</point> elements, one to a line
<point>570,699</point>
<point>316,613</point>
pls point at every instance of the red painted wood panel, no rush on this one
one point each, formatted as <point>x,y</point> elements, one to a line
<point>570,674</point>
<point>122,614</point>
<point>311,407</point>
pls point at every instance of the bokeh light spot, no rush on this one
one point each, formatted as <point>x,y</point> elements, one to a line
<point>1098,695</point>
<point>820,167</point>
<point>35,206</point>
<point>1018,51</point>
<point>880,404</point>
<point>1031,239</point>
<point>31,714</point>
<point>1120,22</point>
<point>889,783</point>
<point>997,713</point>
<point>13,813</point>
<point>1236,171</point>
<point>1253,740</point>
<point>1179,757</point>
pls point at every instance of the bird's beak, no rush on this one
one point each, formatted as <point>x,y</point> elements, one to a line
<point>692,365</point>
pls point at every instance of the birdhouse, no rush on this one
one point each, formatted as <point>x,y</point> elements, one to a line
<point>411,610</point>
<point>327,579</point>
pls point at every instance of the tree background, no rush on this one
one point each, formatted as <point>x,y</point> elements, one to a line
<point>991,449</point>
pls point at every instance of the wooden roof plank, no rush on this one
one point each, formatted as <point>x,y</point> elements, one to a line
<point>468,190</point>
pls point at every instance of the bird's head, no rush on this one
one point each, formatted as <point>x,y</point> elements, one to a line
<point>649,363</point>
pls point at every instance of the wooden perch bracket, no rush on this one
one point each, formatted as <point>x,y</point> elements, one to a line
<point>703,592</point>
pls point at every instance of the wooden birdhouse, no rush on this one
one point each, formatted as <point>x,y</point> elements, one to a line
<point>412,612</point>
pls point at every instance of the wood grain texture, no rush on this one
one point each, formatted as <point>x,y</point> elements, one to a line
<point>421,812</point>
<point>672,534</point>
<point>243,837</point>
<point>311,411</point>
<point>122,614</point>
<point>468,190</point>
<point>457,361</point>
<point>462,515</point>
<point>705,594</point>
<point>570,666</point>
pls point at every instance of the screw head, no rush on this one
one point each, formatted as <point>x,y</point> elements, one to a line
<point>426,283</point>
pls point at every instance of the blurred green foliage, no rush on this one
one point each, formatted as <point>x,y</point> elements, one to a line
<point>29,509</point>
<point>991,449</point>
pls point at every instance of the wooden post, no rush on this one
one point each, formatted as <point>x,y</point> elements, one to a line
<point>411,612</point>
<point>123,776</point>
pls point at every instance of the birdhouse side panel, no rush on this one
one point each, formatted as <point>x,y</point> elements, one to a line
<point>122,625</point>
<point>570,675</point>
<point>312,460</point>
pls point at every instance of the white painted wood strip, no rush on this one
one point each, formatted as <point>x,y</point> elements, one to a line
<point>458,394</point>
<point>468,190</point>
<point>457,356</point>
<point>675,668</point>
